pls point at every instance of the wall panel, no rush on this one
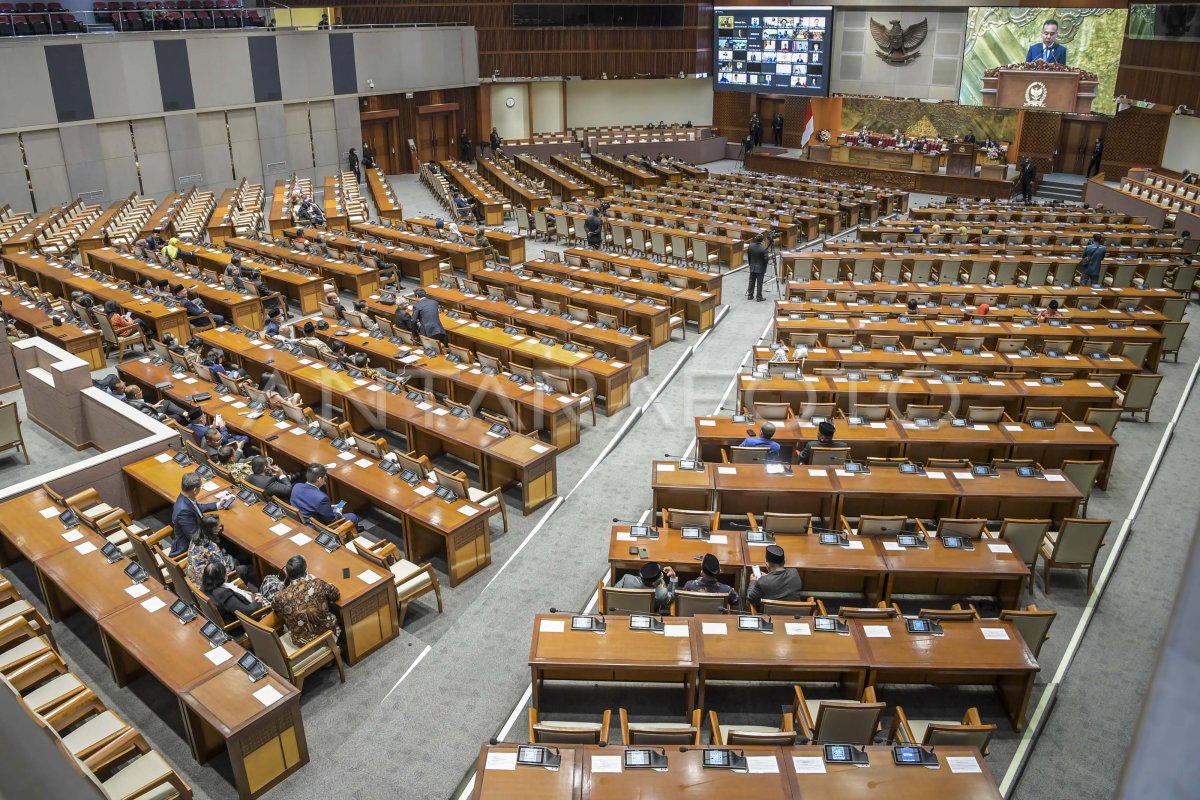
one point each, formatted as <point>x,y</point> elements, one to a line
<point>116,151</point>
<point>243,139</point>
<point>305,69</point>
<point>85,172</point>
<point>272,142</point>
<point>14,186</point>
<point>47,168</point>
<point>220,68</point>
<point>546,98</point>
<point>123,78</point>
<point>613,102</point>
<point>25,96</point>
<point>513,123</point>
<point>154,159</point>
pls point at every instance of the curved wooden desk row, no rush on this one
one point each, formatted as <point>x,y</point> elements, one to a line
<point>1131,313</point>
<point>699,279</point>
<point>1015,294</point>
<point>893,438</point>
<point>999,212</point>
<point>891,201</point>
<point>85,343</point>
<point>1030,234</point>
<point>509,245</point>
<point>533,410</point>
<point>996,251</point>
<point>466,258</point>
<point>789,773</point>
<point>730,250</point>
<point>1034,335</point>
<point>694,650</point>
<point>631,347</point>
<point>413,262</point>
<point>805,213</point>
<point>829,491</point>
<point>790,223</point>
<point>734,226</point>
<point>876,568</point>
<point>356,279</point>
<point>1074,397</point>
<point>221,708</point>
<point>501,461</point>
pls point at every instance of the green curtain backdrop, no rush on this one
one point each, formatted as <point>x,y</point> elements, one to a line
<point>999,36</point>
<point>917,118</point>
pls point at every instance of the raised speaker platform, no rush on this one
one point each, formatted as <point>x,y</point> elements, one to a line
<point>929,183</point>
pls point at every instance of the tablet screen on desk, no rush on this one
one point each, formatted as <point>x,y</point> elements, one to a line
<point>907,755</point>
<point>919,626</point>
<point>640,622</point>
<point>637,758</point>
<point>717,758</point>
<point>824,624</point>
<point>639,531</point>
<point>839,753</point>
<point>532,756</point>
<point>691,532</point>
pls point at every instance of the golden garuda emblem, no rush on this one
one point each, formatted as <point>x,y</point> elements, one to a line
<point>898,45</point>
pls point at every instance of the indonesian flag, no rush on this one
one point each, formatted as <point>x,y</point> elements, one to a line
<point>808,127</point>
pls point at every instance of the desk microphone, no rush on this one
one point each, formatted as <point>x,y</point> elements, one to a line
<point>553,610</point>
<point>493,741</point>
<point>627,521</point>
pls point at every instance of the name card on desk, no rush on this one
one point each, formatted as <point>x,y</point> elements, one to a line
<point>961,764</point>
<point>817,473</point>
<point>88,547</point>
<point>609,764</point>
<point>74,536</point>
<point>552,626</point>
<point>727,470</point>
<point>268,695</point>
<point>665,467</point>
<point>1056,478</point>
<point>797,629</point>
<point>877,631</point>
<point>502,761</point>
<point>997,634</point>
<point>135,591</point>
<point>53,511</point>
<point>153,604</point>
<point>300,539</point>
<point>218,655</point>
<point>676,631</point>
<point>714,628</point>
<point>808,765</point>
<point>369,577</point>
<point>761,765</point>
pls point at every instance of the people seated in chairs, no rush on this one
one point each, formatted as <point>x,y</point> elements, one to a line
<point>233,461</point>
<point>652,575</point>
<point>155,242</point>
<point>267,384</point>
<point>332,298</point>
<point>187,513</point>
<point>1049,312</point>
<point>200,430</point>
<point>269,478</point>
<point>311,500</point>
<point>470,206</point>
<point>171,249</point>
<point>305,603</point>
<point>482,242</point>
<point>122,324</point>
<point>205,548</point>
<point>194,306</point>
<point>427,314</point>
<point>765,438</point>
<point>113,386</point>
<point>218,366</point>
<point>451,228</point>
<point>305,209</point>
<point>276,326</point>
<point>162,410</point>
<point>310,339</point>
<point>709,581</point>
<point>825,432</point>
<point>403,318</point>
<point>359,361</point>
<point>777,582</point>
<point>228,596</point>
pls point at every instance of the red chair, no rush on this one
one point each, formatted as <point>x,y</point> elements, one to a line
<point>191,20</point>
<point>252,18</point>
<point>21,8</point>
<point>133,21</point>
<point>6,8</point>
<point>39,23</point>
<point>70,24</point>
<point>232,20</point>
<point>38,8</point>
<point>20,26</point>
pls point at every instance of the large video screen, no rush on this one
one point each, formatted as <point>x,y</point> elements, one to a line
<point>1086,38</point>
<point>773,50</point>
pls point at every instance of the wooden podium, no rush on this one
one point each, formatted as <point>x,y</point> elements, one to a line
<point>961,161</point>
<point>1045,89</point>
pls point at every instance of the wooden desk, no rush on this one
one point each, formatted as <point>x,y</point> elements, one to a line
<point>730,251</point>
<point>85,343</point>
<point>962,655</point>
<point>559,183</point>
<point>699,279</point>
<point>602,183</point>
<point>25,532</point>
<point>421,266</point>
<point>358,280</point>
<point>381,192</point>
<point>839,781</point>
<point>671,550</point>
<point>742,488</point>
<point>524,783</point>
<point>244,310</point>
<point>517,192</point>
<point>629,173</point>
<point>509,245</point>
<point>685,778</point>
<point>484,196</point>
<point>887,159</point>
<point>305,290</point>
<point>71,580</point>
<point>991,569</point>
<point>618,654</point>
<point>465,257</point>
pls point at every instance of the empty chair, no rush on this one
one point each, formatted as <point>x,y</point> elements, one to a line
<point>1048,414</point>
<point>1173,333</point>
<point>1083,475</point>
<point>969,528</point>
<point>841,721</point>
<point>544,731</point>
<point>660,733</point>
<point>283,656</point>
<point>1025,537</point>
<point>924,343</point>
<point>689,604</point>
<point>1138,396</point>
<point>1136,352</point>
<point>985,414</point>
<point>917,411</point>
<point>1033,625</point>
<point>773,411</point>
<point>793,608</point>
<point>828,456</point>
<point>1103,418</point>
<point>969,732</point>
<point>1009,345</point>
<point>871,413</point>
<point>1074,545</point>
<point>956,613</point>
<point>775,522</point>
<point>765,735</point>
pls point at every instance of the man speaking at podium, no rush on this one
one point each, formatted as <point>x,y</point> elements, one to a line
<point>1049,50</point>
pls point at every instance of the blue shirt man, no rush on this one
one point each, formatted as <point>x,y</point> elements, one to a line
<point>310,499</point>
<point>764,439</point>
<point>1093,255</point>
<point>185,516</point>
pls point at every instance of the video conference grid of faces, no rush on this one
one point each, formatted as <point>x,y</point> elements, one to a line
<point>779,52</point>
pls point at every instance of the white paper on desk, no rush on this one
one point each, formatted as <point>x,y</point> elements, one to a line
<point>841,473</point>
<point>999,547</point>
<point>300,539</point>
<point>810,379</point>
<point>153,604</point>
<point>85,548</point>
<point>936,475</point>
<point>440,412</point>
<point>191,380</point>
<point>282,425</point>
<point>507,761</point>
<point>998,634</point>
<point>727,470</point>
<point>625,536</point>
<point>855,544</point>
<point>878,424</point>
<point>1056,478</point>
<point>1031,383</point>
<point>137,590</point>
<point>74,535</point>
<point>718,538</point>
<point>1012,427</point>
<point>539,448</point>
<point>958,764</point>
<point>52,511</point>
<point>1095,384</point>
<point>218,655</point>
<point>908,426</point>
<point>226,398</point>
<point>714,628</point>
<point>281,529</point>
<point>797,629</point>
<point>423,490</point>
<point>964,476</point>
<point>468,511</point>
<point>707,423</point>
<point>1084,428</point>
<point>369,577</point>
<point>606,763</point>
<point>317,366</point>
<point>995,383</point>
<point>424,406</point>
<point>817,473</point>
<point>298,431</point>
<point>675,631</point>
<point>761,765</point>
<point>268,695</point>
<point>347,456</point>
<point>877,631</point>
<point>809,765</point>
<point>305,361</point>
<point>665,467</point>
<point>552,626</point>
<point>144,360</point>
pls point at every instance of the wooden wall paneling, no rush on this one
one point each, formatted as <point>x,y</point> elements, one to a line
<point>795,109</point>
<point>1133,138</point>
<point>1039,138</point>
<point>731,114</point>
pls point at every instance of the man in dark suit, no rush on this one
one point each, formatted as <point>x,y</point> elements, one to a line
<point>756,257</point>
<point>1028,174</point>
<point>1097,157</point>
<point>969,138</point>
<point>185,516</point>
<point>310,499</point>
<point>777,128</point>
<point>269,479</point>
<point>1049,50</point>
<point>426,312</point>
<point>594,227</point>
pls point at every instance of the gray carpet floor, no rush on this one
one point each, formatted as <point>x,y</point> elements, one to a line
<point>411,717</point>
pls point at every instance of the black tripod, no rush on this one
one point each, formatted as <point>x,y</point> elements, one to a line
<point>773,266</point>
<point>747,146</point>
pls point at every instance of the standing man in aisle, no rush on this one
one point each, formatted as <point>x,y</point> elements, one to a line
<point>352,162</point>
<point>777,127</point>
<point>1028,174</point>
<point>594,226</point>
<point>756,256</point>
<point>1093,255</point>
<point>1097,157</point>
<point>426,312</point>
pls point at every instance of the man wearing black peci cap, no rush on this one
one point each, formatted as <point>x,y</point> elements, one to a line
<point>825,431</point>
<point>777,582</point>
<point>651,575</point>
<point>710,570</point>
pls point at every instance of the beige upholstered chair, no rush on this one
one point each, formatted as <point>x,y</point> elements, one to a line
<point>687,733</point>
<point>969,732</point>
<point>281,654</point>
<point>1075,545</point>
<point>544,731</point>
